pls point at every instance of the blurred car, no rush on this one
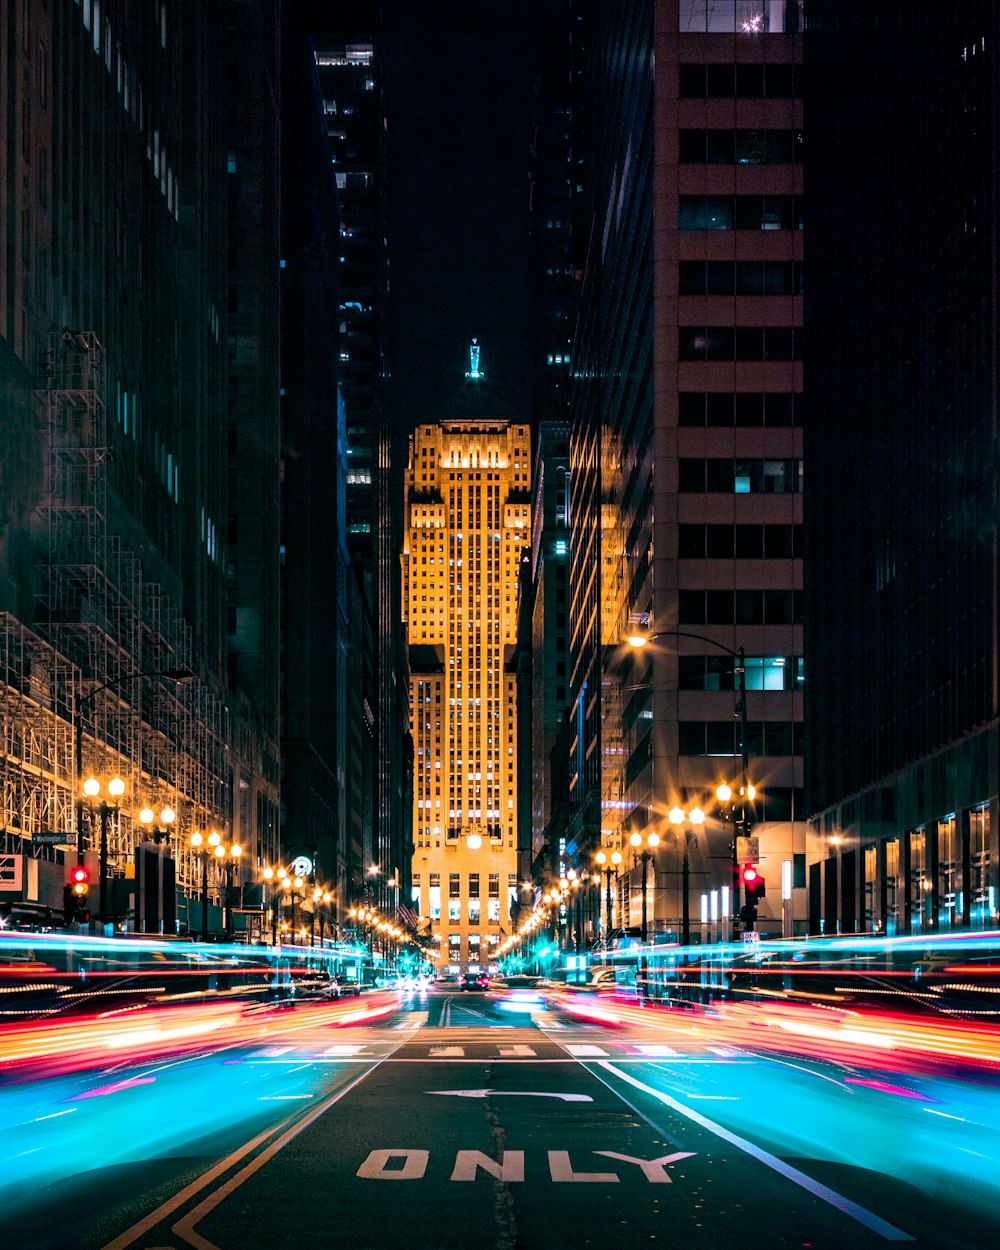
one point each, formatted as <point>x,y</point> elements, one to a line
<point>518,993</point>
<point>474,981</point>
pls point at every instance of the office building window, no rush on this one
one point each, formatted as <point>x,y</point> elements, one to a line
<point>739,343</point>
<point>741,477</point>
<point>740,147</point>
<point>740,277</point>
<point>739,212</point>
<point>749,409</point>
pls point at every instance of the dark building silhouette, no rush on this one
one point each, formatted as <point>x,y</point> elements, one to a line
<point>319,594</point>
<point>901,522</point>
<point>685,455</point>
<point>349,51</point>
<point>126,557</point>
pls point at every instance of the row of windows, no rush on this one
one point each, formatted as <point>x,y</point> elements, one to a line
<point>740,542</point>
<point>697,737</point>
<point>741,277</point>
<point>746,18</point>
<point>740,607</point>
<point>754,82</point>
<point>740,147</point>
<point>740,212</point>
<point>761,672</point>
<point>741,477</point>
<point>739,343</point>
<point>745,408</point>
<point>473,880</point>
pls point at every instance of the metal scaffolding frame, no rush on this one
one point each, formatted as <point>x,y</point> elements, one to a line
<point>96,663</point>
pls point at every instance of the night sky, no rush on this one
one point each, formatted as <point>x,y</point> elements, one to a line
<point>459,88</point>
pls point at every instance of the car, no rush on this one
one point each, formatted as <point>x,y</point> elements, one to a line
<point>518,993</point>
<point>474,981</point>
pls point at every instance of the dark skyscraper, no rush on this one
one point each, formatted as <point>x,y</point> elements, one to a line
<point>349,46</point>
<point>685,457</point>
<point>902,510</point>
<point>130,548</point>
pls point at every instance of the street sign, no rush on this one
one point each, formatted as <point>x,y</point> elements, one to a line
<point>748,850</point>
<point>751,938</point>
<point>50,837</point>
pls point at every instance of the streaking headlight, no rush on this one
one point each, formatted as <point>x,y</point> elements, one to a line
<point>523,1000</point>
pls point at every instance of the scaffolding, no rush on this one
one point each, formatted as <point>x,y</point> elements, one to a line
<point>88,690</point>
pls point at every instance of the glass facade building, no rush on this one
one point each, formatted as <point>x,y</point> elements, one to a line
<point>901,520</point>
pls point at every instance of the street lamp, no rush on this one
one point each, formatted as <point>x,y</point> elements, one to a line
<point>292,887</point>
<point>601,858</point>
<point>214,847</point>
<point>161,829</point>
<point>745,822</point>
<point>229,857</point>
<point>677,817</point>
<point>92,792</point>
<point>652,842</point>
<point>319,895</point>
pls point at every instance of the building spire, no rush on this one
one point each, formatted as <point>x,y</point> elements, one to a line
<point>473,372</point>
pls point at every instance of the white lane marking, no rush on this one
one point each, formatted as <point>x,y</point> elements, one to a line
<point>447,1052</point>
<point>38,1118</point>
<point>508,1093</point>
<point>861,1214</point>
<point>656,1050</point>
<point>726,1052</point>
<point>517,1052</point>
<point>185,1227</point>
<point>281,1097</point>
<point>272,1052</point>
<point>165,1209</point>
<point>587,1052</point>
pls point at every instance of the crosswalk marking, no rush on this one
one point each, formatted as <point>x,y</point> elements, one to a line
<point>447,1052</point>
<point>726,1052</point>
<point>655,1049</point>
<point>517,1052</point>
<point>344,1049</point>
<point>587,1052</point>
<point>272,1052</point>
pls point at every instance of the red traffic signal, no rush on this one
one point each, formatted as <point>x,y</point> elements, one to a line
<point>753,883</point>
<point>80,878</point>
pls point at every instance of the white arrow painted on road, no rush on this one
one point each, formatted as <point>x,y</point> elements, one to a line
<point>509,1093</point>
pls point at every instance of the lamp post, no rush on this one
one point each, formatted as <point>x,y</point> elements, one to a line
<point>601,858</point>
<point>229,856</point>
<point>92,792</point>
<point>201,844</point>
<point>645,855</point>
<point>320,895</point>
<point>678,817</point>
<point>292,887</point>
<point>745,823</point>
<point>214,847</point>
<point>161,829</point>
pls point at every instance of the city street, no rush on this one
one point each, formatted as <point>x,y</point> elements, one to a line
<point>453,1123</point>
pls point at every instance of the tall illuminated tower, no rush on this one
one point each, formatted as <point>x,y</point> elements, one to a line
<point>467,523</point>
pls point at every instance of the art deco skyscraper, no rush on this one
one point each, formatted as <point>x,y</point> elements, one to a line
<point>468,520</point>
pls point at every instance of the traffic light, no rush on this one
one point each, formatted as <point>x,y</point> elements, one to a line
<point>75,895</point>
<point>754,888</point>
<point>753,884</point>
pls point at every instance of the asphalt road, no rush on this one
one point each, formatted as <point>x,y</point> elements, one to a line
<point>454,1125</point>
